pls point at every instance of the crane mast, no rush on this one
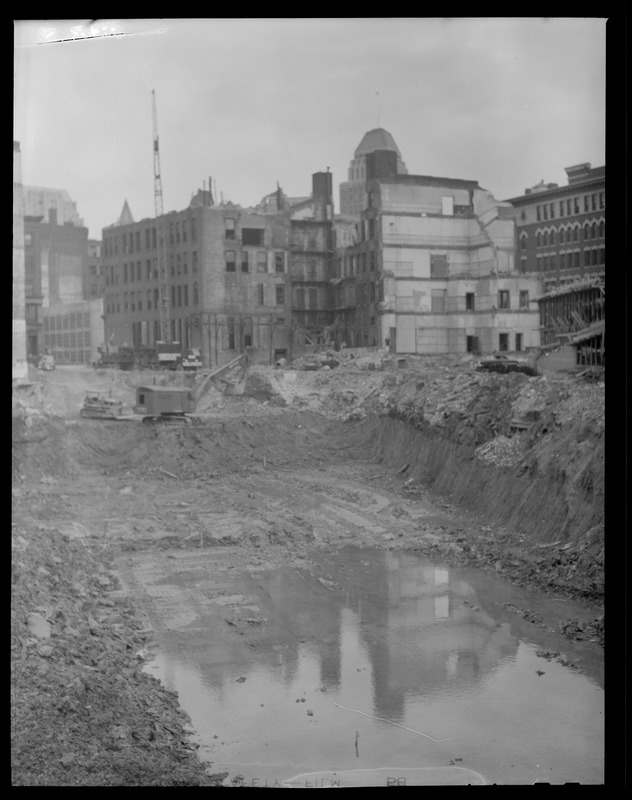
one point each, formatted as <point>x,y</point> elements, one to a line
<point>163,290</point>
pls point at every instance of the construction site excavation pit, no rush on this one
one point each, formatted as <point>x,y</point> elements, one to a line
<point>318,592</point>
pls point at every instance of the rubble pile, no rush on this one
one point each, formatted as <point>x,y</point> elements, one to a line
<point>503,451</point>
<point>83,712</point>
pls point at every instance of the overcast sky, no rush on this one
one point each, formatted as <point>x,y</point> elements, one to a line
<point>507,102</point>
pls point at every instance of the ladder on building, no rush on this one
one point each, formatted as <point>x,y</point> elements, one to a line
<point>163,283</point>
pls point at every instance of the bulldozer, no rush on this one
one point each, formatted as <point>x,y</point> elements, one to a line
<point>99,405</point>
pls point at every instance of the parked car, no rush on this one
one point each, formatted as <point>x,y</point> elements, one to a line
<point>46,362</point>
<point>503,364</point>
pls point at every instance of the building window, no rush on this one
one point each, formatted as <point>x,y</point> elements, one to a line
<point>312,298</point>
<point>230,260</point>
<point>586,258</point>
<point>196,298</point>
<point>545,211</point>
<point>552,207</point>
<point>244,261</point>
<point>279,262</point>
<point>593,230</point>
<point>602,199</point>
<point>193,230</point>
<point>194,261</point>
<point>124,273</point>
<point>586,203</point>
<point>437,300</point>
<point>469,301</point>
<point>447,206</point>
<point>179,295</point>
<point>518,342</point>
<point>523,265</point>
<point>172,265</point>
<point>503,342</point>
<point>262,261</point>
<point>173,299</point>
<point>538,213</point>
<point>561,208</point>
<point>594,257</point>
<point>569,207</point>
<point>260,295</point>
<point>602,255</point>
<point>593,200</point>
<point>503,298</point>
<point>185,267</point>
<point>280,294</point>
<point>252,236</point>
<point>171,239</point>
<point>524,298</point>
<point>438,266</point>
<point>523,241</point>
<point>229,232</point>
<point>576,234</point>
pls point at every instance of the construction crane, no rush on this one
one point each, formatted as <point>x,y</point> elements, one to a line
<point>163,290</point>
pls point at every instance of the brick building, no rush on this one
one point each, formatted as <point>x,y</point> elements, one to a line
<point>227,272</point>
<point>560,230</point>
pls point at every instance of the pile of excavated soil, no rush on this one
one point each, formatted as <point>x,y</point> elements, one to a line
<point>83,713</point>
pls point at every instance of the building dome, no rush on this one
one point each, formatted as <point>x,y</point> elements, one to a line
<point>377,139</point>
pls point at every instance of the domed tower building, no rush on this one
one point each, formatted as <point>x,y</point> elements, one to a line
<point>353,191</point>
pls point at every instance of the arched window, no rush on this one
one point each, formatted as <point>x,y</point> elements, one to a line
<point>538,240</point>
<point>594,230</point>
<point>523,241</point>
<point>576,232</point>
<point>545,238</point>
<point>602,229</point>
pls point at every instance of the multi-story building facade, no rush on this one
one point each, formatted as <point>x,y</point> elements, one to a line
<point>93,283</point>
<point>433,269</point>
<point>560,230</point>
<point>55,264</point>
<point>353,190</point>
<point>73,332</point>
<point>311,258</point>
<point>227,280</point>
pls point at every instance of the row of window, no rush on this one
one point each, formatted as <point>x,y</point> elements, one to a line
<point>566,235</point>
<point>133,272</point>
<point>59,322</point>
<point>261,261</point>
<point>255,237</point>
<point>133,301</point>
<point>571,206</point>
<point>73,339</point>
<point>131,242</point>
<point>571,260</point>
<point>357,263</point>
<point>68,356</point>
<point>149,299</point>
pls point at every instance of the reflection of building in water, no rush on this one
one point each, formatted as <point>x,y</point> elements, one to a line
<point>420,635</point>
<point>401,628</point>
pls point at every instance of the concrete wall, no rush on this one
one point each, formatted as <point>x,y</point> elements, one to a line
<point>19,364</point>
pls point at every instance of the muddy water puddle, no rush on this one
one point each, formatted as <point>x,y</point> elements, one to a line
<point>373,667</point>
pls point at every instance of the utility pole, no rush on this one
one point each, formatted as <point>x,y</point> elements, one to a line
<point>163,303</point>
